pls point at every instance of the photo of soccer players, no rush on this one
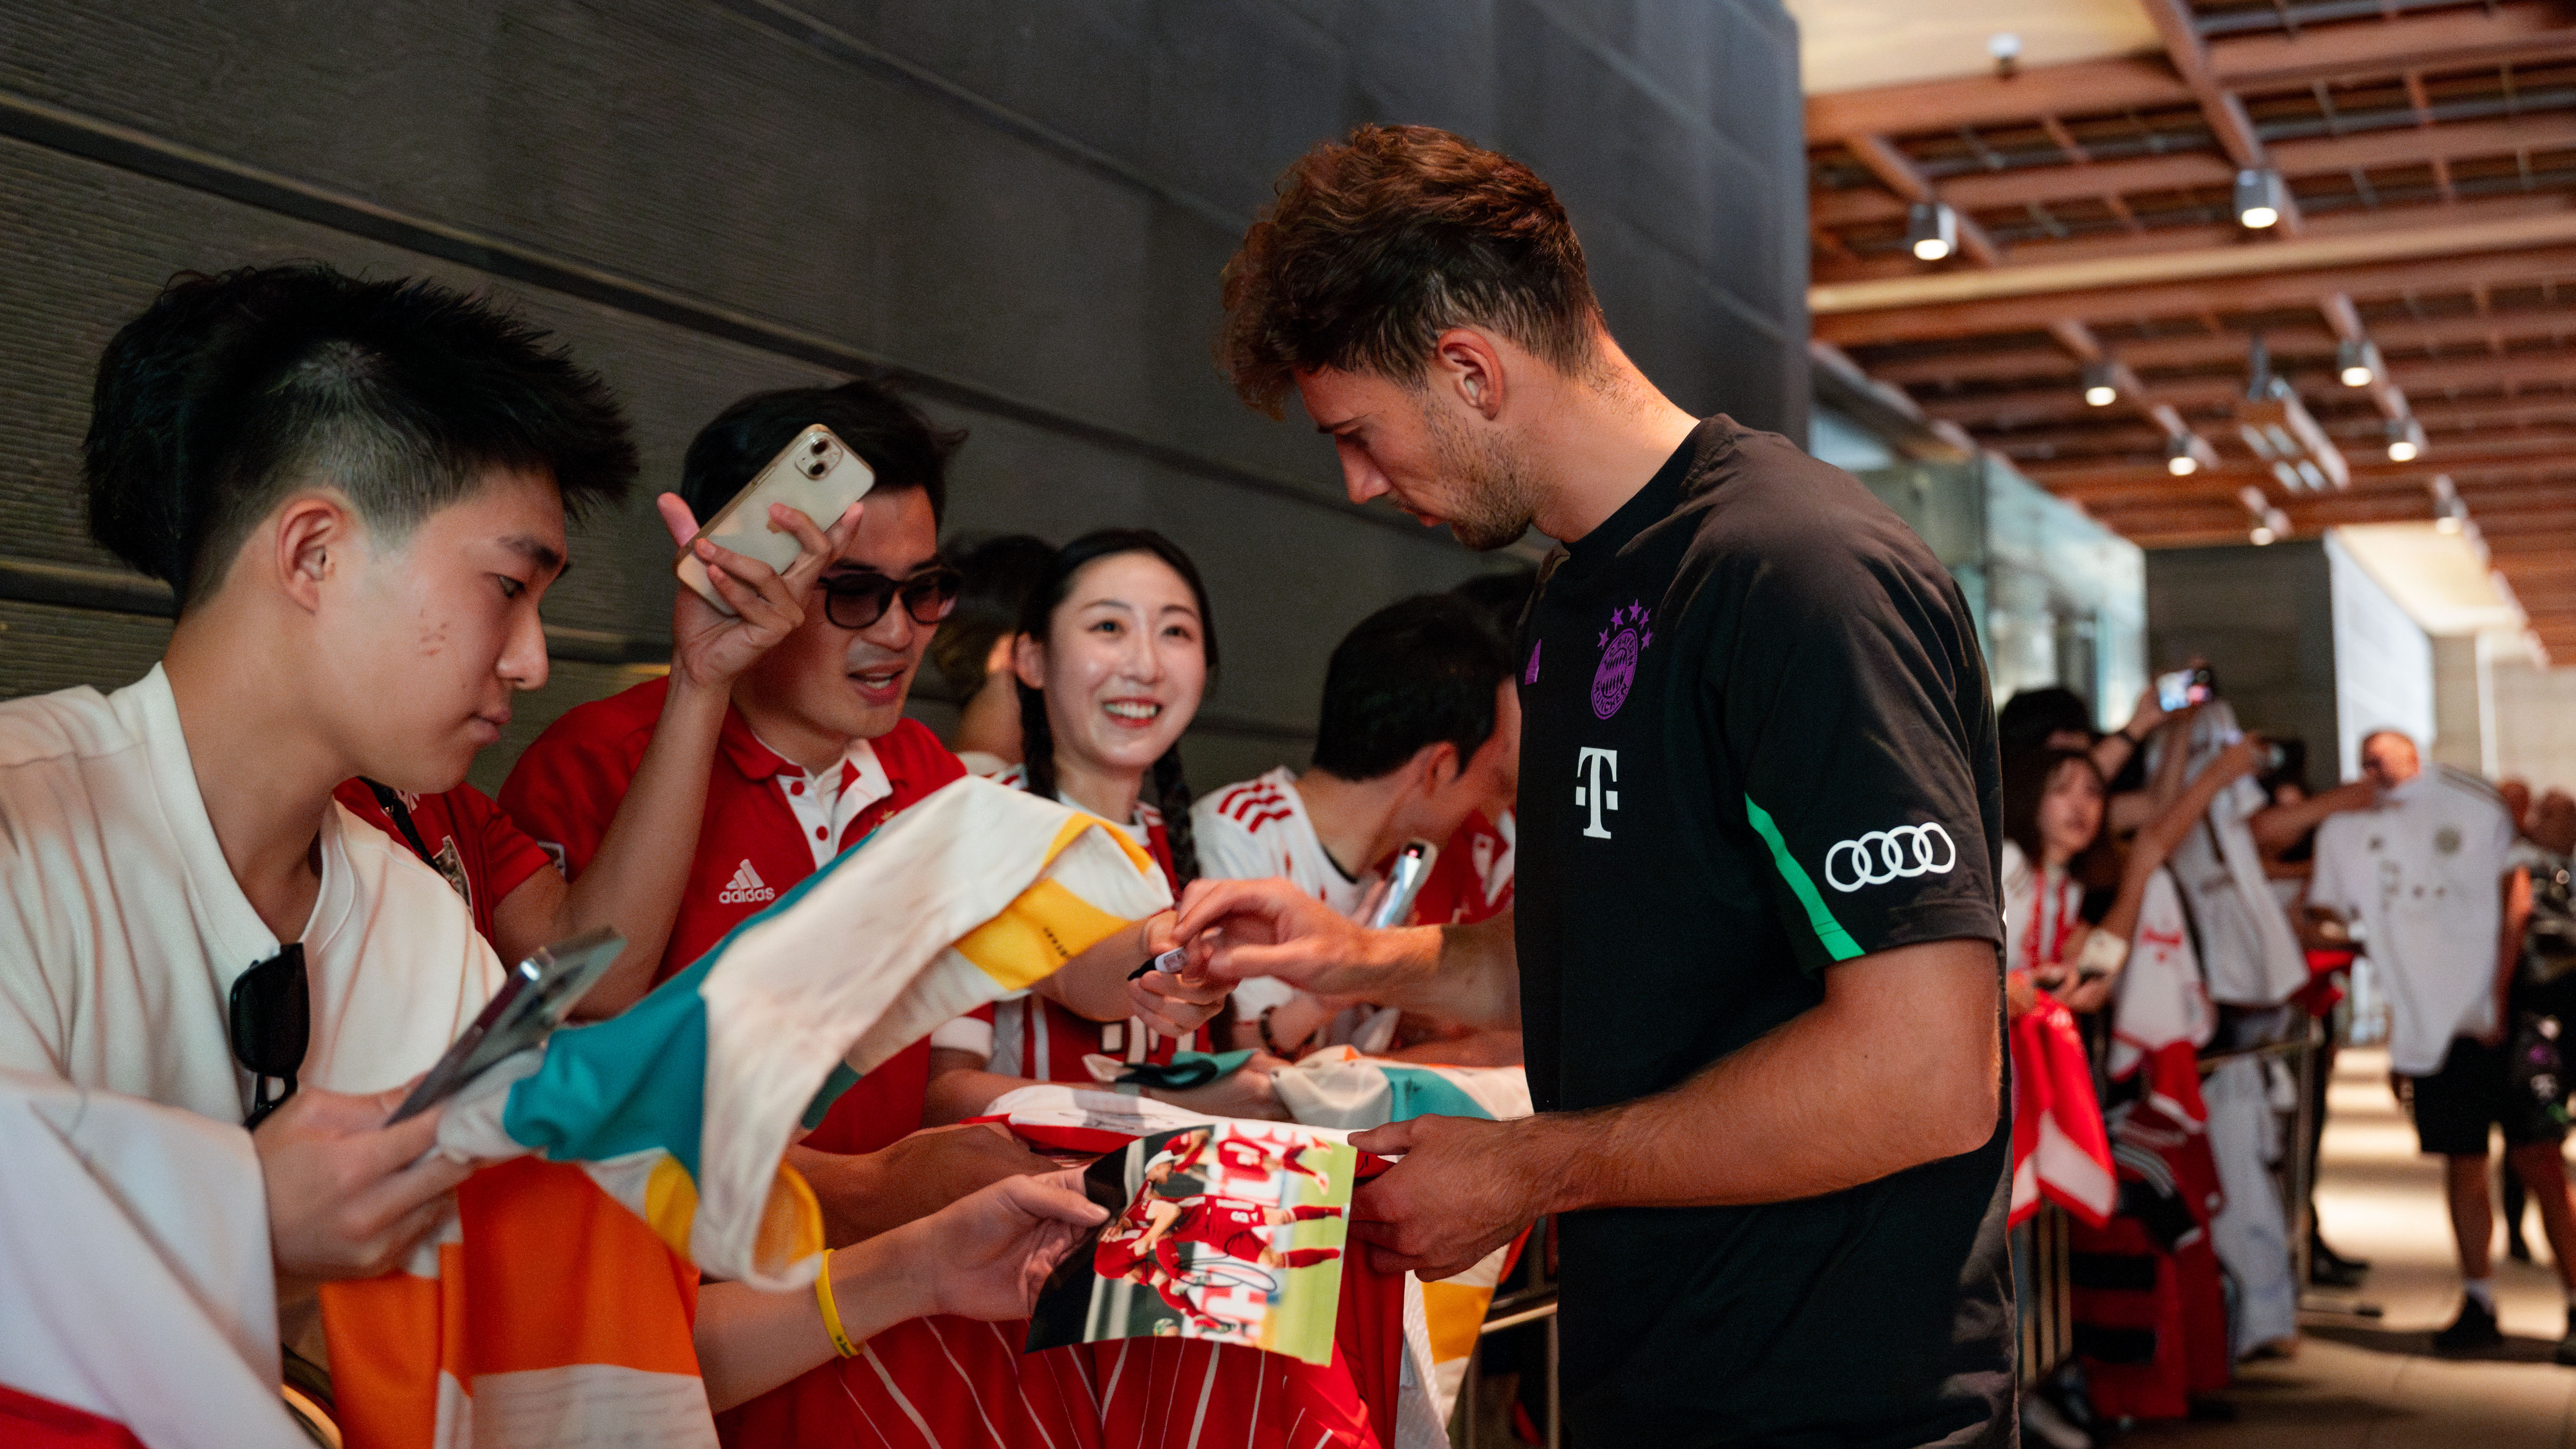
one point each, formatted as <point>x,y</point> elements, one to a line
<point>1214,1224</point>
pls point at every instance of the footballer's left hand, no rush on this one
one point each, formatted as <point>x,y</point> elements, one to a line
<point>1176,1003</point>
<point>1465,1187</point>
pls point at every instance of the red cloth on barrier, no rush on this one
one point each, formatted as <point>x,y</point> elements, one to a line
<point>2059,1148</point>
<point>2151,1324</point>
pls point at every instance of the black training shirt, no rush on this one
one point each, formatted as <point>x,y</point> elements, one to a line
<point>1757,739</point>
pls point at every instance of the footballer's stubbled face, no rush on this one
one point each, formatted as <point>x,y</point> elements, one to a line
<point>826,682</point>
<point>430,634</point>
<point>1422,450</point>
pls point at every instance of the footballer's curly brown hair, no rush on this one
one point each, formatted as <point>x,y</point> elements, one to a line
<point>1378,243</point>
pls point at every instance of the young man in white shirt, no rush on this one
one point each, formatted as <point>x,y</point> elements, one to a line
<point>358,493</point>
<point>2429,872</point>
<point>1419,731</point>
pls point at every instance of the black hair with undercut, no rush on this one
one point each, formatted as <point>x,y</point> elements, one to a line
<point>888,434</point>
<point>1419,672</point>
<point>995,577</point>
<point>1170,782</point>
<point>232,391</point>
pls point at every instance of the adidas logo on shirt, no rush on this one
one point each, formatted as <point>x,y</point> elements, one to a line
<point>745,888</point>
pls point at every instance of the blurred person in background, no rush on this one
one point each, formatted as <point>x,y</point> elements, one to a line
<point>2429,872</point>
<point>2057,854</point>
<point>2284,833</point>
<point>972,650</point>
<point>1419,732</point>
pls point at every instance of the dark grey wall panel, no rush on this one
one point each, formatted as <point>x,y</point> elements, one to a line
<point>1021,209</point>
<point>2264,619</point>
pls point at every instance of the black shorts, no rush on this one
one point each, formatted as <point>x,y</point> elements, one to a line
<point>2455,1106</point>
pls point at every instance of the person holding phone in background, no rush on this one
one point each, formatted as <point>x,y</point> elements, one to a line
<point>2054,818</point>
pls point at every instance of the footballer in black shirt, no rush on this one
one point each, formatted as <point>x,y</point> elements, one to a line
<point>1755,949</point>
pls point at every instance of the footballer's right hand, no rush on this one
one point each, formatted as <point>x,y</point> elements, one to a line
<point>348,1195</point>
<point>1271,928</point>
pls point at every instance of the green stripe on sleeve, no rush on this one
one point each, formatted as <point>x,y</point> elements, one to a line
<point>1836,941</point>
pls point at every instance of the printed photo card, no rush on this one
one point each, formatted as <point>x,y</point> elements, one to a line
<point>1232,1232</point>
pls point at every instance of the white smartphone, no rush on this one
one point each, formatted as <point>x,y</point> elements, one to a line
<point>816,472</point>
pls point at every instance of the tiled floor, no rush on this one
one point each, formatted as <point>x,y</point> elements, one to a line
<point>2357,1381</point>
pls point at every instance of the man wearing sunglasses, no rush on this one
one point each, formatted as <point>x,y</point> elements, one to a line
<point>815,753</point>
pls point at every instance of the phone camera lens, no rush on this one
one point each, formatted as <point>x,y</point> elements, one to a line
<point>819,446</point>
<point>817,468</point>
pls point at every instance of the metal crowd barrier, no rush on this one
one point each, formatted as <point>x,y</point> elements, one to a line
<point>2298,1160</point>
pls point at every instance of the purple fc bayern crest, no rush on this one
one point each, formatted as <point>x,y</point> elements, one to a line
<point>1621,643</point>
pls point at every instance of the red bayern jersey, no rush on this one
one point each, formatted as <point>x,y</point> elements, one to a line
<point>468,838</point>
<point>1472,879</point>
<point>754,843</point>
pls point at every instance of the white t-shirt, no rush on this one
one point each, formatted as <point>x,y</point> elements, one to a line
<point>123,929</point>
<point>2423,875</point>
<point>1257,830</point>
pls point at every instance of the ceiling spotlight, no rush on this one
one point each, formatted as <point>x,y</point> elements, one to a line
<point>2450,513</point>
<point>2005,47</point>
<point>2357,362</point>
<point>2405,440</point>
<point>1931,230</point>
<point>2099,389</point>
<point>2261,196</point>
<point>2181,458</point>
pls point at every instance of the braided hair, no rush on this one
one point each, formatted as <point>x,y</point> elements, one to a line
<point>1169,784</point>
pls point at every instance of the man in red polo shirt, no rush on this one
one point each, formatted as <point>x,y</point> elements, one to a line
<point>814,754</point>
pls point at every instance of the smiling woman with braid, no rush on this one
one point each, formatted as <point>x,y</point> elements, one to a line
<point>1116,647</point>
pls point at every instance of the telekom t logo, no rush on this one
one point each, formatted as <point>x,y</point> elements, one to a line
<point>1590,790</point>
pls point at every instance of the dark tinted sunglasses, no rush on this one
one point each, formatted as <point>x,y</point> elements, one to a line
<point>857,598</point>
<point>272,1021</point>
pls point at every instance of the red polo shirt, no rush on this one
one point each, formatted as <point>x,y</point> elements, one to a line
<point>759,837</point>
<point>470,839</point>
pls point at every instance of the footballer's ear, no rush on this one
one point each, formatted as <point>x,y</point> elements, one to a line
<point>1465,361</point>
<point>313,539</point>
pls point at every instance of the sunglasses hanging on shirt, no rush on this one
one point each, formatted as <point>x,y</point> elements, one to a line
<point>272,1023</point>
<point>857,598</point>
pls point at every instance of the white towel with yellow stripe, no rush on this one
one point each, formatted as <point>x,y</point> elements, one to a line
<point>683,1108</point>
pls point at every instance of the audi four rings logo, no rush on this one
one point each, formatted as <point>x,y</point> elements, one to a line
<point>1885,855</point>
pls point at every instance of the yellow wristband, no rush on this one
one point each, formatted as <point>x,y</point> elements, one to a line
<point>832,1311</point>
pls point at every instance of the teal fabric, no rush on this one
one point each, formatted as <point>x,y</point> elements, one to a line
<point>633,1082</point>
<point>638,1080</point>
<point>1186,1069</point>
<point>1421,1092</point>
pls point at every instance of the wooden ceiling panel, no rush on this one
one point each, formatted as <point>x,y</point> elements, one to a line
<point>2430,154</point>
